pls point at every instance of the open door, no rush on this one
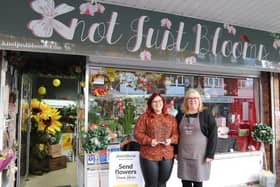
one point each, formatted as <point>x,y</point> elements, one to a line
<point>24,129</point>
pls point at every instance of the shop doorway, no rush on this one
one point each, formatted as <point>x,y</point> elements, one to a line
<point>46,126</point>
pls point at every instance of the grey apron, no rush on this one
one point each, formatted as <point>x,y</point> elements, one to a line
<point>192,164</point>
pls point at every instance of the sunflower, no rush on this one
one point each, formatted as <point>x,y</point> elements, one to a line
<point>25,108</point>
<point>37,108</point>
<point>49,121</point>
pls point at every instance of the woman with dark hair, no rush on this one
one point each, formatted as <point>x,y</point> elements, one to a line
<point>197,142</point>
<point>155,131</point>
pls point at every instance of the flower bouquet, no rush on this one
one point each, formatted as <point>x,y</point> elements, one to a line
<point>5,159</point>
<point>95,139</point>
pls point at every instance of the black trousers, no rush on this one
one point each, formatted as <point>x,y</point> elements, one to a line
<point>156,173</point>
<point>191,183</point>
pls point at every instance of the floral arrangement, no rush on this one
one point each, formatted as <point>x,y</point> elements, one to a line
<point>95,139</point>
<point>262,133</point>
<point>5,158</point>
<point>47,118</point>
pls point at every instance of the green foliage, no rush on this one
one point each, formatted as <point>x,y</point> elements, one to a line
<point>112,124</point>
<point>95,139</point>
<point>69,114</point>
<point>54,139</point>
<point>127,118</point>
<point>94,115</point>
<point>262,133</point>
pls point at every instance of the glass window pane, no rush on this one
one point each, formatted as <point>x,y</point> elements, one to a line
<point>233,101</point>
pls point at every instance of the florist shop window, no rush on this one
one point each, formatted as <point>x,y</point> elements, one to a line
<point>115,94</point>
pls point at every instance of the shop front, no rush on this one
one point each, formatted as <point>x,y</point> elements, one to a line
<point>132,53</point>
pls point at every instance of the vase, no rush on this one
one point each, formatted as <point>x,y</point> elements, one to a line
<point>267,178</point>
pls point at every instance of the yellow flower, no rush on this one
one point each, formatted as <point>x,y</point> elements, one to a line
<point>25,107</point>
<point>49,121</point>
<point>41,147</point>
<point>37,108</point>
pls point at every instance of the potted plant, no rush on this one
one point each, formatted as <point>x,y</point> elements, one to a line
<point>95,139</point>
<point>127,117</point>
<point>263,133</point>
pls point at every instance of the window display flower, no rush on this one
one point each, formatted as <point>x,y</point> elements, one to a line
<point>262,133</point>
<point>45,118</point>
<point>95,139</point>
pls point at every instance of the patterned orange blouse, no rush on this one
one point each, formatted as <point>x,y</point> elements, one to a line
<point>144,132</point>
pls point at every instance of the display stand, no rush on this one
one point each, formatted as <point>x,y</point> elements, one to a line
<point>8,114</point>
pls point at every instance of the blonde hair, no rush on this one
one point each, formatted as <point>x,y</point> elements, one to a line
<point>184,107</point>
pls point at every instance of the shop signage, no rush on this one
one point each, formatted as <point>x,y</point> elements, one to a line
<point>124,169</point>
<point>79,27</point>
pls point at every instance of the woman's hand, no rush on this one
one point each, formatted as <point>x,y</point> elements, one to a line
<point>209,160</point>
<point>167,141</point>
<point>154,142</point>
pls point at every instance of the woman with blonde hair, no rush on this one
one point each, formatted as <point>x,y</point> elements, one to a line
<point>197,140</point>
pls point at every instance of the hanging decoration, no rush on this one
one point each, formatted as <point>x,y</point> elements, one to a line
<point>100,84</point>
<point>56,82</point>
<point>42,90</point>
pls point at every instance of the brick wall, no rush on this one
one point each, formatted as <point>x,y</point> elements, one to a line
<point>276,77</point>
<point>266,115</point>
<point>265,81</point>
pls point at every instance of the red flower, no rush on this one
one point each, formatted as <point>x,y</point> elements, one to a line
<point>244,38</point>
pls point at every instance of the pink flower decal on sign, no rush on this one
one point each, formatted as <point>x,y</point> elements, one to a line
<point>276,43</point>
<point>165,22</point>
<point>44,27</point>
<point>90,9</point>
<point>99,8</point>
<point>231,29</point>
<point>87,9</point>
<point>145,56</point>
<point>190,60</point>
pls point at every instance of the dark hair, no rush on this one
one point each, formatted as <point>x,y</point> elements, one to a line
<point>150,110</point>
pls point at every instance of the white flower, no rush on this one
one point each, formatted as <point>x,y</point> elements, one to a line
<point>145,56</point>
<point>99,8</point>
<point>165,22</point>
<point>97,142</point>
<point>44,27</point>
<point>87,9</point>
<point>190,60</point>
<point>231,29</point>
